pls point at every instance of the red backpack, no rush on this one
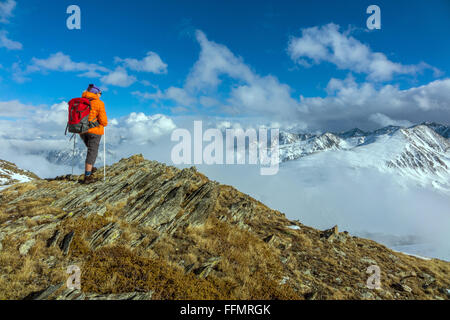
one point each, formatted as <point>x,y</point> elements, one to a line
<point>79,110</point>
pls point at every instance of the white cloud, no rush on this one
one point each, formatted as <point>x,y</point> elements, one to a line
<point>327,43</point>
<point>55,115</point>
<point>18,74</point>
<point>62,62</point>
<point>250,94</point>
<point>216,60</point>
<point>179,110</point>
<point>6,9</point>
<point>149,96</point>
<point>208,101</point>
<point>119,77</point>
<point>90,74</point>
<point>14,109</point>
<point>264,95</point>
<point>140,128</point>
<point>151,63</point>
<point>349,103</point>
<point>179,95</point>
<point>384,121</point>
<point>7,43</point>
<point>58,62</point>
<point>33,122</point>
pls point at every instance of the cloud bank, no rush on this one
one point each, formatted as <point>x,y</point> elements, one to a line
<point>61,62</point>
<point>366,104</point>
<point>327,43</point>
<point>221,82</point>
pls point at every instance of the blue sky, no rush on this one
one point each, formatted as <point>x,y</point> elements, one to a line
<point>257,34</point>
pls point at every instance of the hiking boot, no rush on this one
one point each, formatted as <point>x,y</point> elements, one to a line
<point>88,180</point>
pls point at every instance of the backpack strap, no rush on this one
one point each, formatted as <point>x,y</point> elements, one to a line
<point>93,124</point>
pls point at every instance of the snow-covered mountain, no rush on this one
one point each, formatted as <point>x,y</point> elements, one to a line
<point>439,128</point>
<point>420,152</point>
<point>308,144</point>
<point>11,174</point>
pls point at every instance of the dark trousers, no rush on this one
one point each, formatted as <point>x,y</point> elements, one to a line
<point>92,142</point>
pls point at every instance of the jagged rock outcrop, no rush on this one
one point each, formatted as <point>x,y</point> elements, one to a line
<point>151,231</point>
<point>75,294</point>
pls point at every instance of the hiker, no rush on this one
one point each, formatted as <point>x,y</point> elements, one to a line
<point>92,137</point>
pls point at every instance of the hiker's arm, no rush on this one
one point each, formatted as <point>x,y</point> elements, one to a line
<point>102,118</point>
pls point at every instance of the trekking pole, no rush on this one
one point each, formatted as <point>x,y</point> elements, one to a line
<point>104,155</point>
<point>73,153</point>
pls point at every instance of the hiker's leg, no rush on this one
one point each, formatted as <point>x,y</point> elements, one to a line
<point>93,145</point>
<point>84,138</point>
<point>88,167</point>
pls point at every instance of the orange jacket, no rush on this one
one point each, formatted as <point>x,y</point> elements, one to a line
<point>97,113</point>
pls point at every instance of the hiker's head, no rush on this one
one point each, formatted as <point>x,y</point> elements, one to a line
<point>94,89</point>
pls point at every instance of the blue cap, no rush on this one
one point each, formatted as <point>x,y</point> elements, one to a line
<point>93,89</point>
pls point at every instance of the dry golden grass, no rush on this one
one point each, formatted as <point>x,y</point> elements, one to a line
<point>255,267</point>
<point>119,270</point>
<point>22,275</point>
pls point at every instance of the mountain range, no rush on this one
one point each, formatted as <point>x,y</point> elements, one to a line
<point>420,152</point>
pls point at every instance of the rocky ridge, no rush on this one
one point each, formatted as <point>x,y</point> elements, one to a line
<point>152,231</point>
